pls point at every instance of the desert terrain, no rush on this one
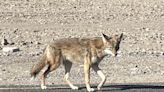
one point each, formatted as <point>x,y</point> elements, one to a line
<point>31,24</point>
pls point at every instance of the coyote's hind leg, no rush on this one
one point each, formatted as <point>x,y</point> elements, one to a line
<point>67,66</point>
<point>53,64</point>
<point>43,76</point>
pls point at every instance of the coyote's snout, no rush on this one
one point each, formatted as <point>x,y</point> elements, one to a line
<point>88,51</point>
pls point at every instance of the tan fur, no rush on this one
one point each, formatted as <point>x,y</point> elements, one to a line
<point>86,51</point>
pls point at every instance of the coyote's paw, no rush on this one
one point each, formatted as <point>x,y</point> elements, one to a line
<point>43,87</point>
<point>32,78</point>
<point>99,87</point>
<point>74,87</point>
<point>90,90</point>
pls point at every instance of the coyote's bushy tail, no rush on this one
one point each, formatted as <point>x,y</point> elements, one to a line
<point>38,67</point>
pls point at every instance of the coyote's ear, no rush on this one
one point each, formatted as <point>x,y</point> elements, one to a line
<point>120,38</point>
<point>104,38</point>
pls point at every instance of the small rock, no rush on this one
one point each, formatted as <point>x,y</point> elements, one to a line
<point>10,49</point>
<point>162,53</point>
<point>147,29</point>
<point>3,70</point>
<point>12,43</point>
<point>144,72</point>
<point>37,54</point>
<point>38,43</point>
<point>24,43</point>
<point>150,52</point>
<point>19,54</point>
<point>4,42</point>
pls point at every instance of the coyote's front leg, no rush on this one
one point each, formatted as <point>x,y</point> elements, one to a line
<point>87,74</point>
<point>100,73</point>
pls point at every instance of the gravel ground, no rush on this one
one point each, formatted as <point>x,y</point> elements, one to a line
<point>32,24</point>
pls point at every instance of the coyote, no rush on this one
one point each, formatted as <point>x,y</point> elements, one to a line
<point>86,51</point>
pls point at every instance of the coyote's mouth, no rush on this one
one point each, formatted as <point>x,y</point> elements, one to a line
<point>109,52</point>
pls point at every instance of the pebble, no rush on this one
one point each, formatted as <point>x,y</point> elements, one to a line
<point>38,43</point>
<point>162,53</point>
<point>4,42</point>
<point>10,49</point>
<point>3,70</point>
<point>144,72</point>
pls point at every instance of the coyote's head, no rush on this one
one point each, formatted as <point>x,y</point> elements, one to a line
<point>111,44</point>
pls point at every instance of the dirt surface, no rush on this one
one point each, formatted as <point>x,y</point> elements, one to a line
<point>32,24</point>
<point>107,88</point>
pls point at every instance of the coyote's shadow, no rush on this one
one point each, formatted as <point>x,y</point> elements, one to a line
<point>129,87</point>
<point>82,88</point>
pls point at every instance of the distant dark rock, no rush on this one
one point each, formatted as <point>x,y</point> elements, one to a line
<point>24,43</point>
<point>145,72</point>
<point>4,42</point>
